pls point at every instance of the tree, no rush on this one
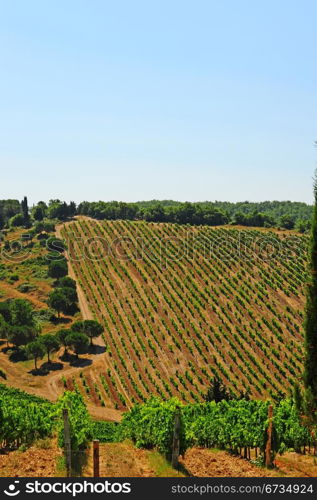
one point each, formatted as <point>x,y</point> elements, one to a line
<point>57,268</point>
<point>310,363</point>
<point>16,221</point>
<point>57,210</point>
<point>65,282</point>
<point>22,313</point>
<point>217,391</point>
<point>55,244</point>
<point>51,344</point>
<point>302,225</point>
<point>89,327</point>
<point>5,310</point>
<point>57,300</point>
<point>4,328</point>
<point>287,222</point>
<point>25,212</point>
<point>62,337</point>
<point>21,335</point>
<point>71,296</point>
<point>39,211</point>
<point>35,350</point>
<point>78,342</point>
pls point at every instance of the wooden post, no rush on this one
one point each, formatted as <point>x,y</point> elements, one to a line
<point>67,441</point>
<point>176,439</point>
<point>268,448</point>
<point>96,457</point>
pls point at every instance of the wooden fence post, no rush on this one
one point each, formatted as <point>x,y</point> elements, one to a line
<point>96,457</point>
<point>268,448</point>
<point>67,441</point>
<point>176,439</point>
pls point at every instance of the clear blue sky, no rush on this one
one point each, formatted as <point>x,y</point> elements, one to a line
<point>129,99</point>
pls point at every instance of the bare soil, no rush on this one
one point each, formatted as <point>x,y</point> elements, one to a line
<point>202,462</point>
<point>34,462</point>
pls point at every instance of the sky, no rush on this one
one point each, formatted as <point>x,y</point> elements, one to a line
<point>171,99</point>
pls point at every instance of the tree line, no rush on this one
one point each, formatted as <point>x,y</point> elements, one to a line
<point>283,214</point>
<point>287,215</point>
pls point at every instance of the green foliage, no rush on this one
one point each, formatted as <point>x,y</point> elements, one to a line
<point>151,425</point>
<point>50,342</point>
<point>26,287</point>
<point>60,210</point>
<point>16,221</point>
<point>78,342</point>
<point>57,268</point>
<point>54,244</point>
<point>57,300</point>
<point>25,212</point>
<point>228,424</point>
<point>106,432</point>
<point>23,418</point>
<point>310,373</point>
<point>63,299</point>
<point>8,208</point>
<point>217,391</point>
<point>79,419</point>
<point>89,327</point>
<point>261,214</point>
<point>39,211</point>
<point>35,350</point>
<point>21,335</point>
<point>62,335</point>
<point>66,281</point>
<point>22,313</point>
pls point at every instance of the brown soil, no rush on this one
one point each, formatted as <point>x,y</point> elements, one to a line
<point>121,460</point>
<point>34,462</point>
<point>201,462</point>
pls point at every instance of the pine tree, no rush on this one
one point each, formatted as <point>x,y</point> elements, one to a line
<point>310,372</point>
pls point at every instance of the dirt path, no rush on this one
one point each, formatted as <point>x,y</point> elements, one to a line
<point>121,460</point>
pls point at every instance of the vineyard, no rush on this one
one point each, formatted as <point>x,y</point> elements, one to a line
<point>182,304</point>
<point>235,425</point>
<point>25,418</point>
<point>229,425</point>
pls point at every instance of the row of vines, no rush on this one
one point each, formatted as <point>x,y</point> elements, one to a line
<point>24,418</point>
<point>237,426</point>
<point>181,305</point>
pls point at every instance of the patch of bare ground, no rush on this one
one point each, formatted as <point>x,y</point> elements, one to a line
<point>202,462</point>
<point>39,460</point>
<point>121,460</point>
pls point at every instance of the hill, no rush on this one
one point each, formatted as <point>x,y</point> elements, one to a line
<point>182,304</point>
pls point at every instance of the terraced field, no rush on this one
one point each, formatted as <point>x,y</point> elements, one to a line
<point>182,304</point>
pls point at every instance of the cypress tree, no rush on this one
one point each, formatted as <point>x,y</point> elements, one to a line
<point>25,211</point>
<point>310,372</point>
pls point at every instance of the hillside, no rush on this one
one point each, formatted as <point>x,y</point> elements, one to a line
<point>182,304</point>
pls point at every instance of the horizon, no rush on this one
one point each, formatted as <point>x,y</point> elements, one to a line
<point>31,203</point>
